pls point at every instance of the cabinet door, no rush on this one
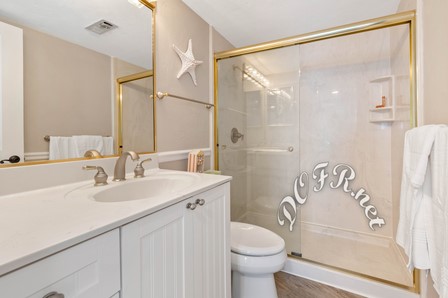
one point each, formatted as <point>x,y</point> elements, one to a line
<point>179,251</point>
<point>90,270</point>
<point>153,255</point>
<point>208,243</point>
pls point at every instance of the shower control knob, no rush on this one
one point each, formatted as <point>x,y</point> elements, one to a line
<point>235,135</point>
<point>200,202</point>
<point>191,206</point>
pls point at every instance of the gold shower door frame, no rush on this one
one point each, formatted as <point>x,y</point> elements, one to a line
<point>119,87</point>
<point>404,18</point>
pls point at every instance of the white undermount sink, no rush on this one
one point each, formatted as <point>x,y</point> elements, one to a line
<point>145,188</point>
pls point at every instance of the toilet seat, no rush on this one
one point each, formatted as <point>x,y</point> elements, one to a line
<point>250,240</point>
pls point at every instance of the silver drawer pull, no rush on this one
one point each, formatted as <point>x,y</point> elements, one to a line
<point>200,202</point>
<point>191,206</point>
<point>54,295</point>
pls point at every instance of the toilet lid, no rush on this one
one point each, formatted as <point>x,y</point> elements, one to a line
<point>247,239</point>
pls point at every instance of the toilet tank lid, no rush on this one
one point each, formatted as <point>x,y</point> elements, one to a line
<point>251,240</point>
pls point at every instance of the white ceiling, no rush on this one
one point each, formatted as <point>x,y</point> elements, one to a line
<point>242,22</point>
<point>66,19</point>
<point>248,22</point>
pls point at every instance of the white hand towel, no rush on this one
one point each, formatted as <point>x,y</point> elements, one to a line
<point>61,148</point>
<point>417,148</point>
<point>420,229</point>
<point>438,240</point>
<point>85,142</point>
<point>108,148</point>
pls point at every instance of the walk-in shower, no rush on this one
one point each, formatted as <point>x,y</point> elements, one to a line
<point>311,129</point>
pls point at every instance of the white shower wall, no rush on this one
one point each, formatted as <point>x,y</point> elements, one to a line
<point>232,113</point>
<point>336,105</point>
<point>335,128</point>
<point>399,38</point>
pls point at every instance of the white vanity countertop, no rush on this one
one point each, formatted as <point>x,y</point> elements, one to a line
<point>39,223</point>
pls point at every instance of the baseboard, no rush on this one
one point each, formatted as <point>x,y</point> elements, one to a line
<point>168,156</point>
<point>35,156</point>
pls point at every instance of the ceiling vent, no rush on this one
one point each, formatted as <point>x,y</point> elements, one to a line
<point>101,27</point>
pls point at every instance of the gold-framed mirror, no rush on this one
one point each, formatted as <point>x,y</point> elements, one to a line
<point>69,73</point>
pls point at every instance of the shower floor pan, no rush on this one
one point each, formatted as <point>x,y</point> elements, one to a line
<point>377,257</point>
<point>368,255</point>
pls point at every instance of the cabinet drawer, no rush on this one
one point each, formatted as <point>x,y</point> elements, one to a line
<point>89,269</point>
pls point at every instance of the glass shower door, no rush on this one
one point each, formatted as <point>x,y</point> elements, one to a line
<point>354,111</point>
<point>318,155</point>
<point>264,110</point>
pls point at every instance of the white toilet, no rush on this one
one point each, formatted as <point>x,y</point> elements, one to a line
<point>257,254</point>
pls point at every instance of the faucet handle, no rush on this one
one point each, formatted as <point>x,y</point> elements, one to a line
<point>100,177</point>
<point>139,171</point>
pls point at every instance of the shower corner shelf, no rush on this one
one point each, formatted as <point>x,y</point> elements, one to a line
<point>280,125</point>
<point>385,86</point>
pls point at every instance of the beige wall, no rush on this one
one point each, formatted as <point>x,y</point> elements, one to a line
<point>122,68</point>
<point>435,66</point>
<point>180,124</point>
<point>67,90</point>
<point>435,60</point>
<point>220,44</point>
<point>406,5</point>
<point>183,125</point>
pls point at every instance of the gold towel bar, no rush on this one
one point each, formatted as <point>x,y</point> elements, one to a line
<point>161,95</point>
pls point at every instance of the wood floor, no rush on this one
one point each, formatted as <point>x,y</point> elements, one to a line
<point>290,286</point>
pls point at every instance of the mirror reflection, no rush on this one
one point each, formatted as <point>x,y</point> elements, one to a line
<point>70,74</point>
<point>136,124</point>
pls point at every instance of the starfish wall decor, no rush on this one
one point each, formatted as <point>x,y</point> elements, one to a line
<point>189,63</point>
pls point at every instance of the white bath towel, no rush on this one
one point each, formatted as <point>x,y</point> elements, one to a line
<point>61,148</point>
<point>108,146</point>
<point>421,227</point>
<point>417,148</point>
<point>84,143</point>
<point>438,229</point>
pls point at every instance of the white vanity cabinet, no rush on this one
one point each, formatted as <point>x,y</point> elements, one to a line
<point>180,251</point>
<point>88,269</point>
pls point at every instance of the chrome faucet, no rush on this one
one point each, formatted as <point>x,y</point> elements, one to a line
<point>120,165</point>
